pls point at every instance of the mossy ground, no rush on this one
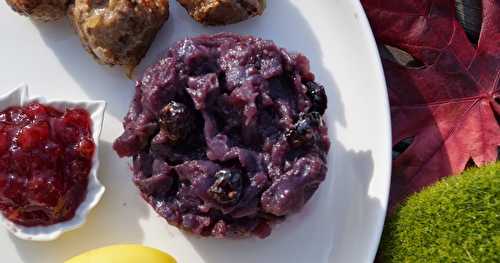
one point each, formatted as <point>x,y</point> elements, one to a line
<point>456,220</point>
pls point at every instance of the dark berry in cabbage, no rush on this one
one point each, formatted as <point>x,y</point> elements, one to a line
<point>302,131</point>
<point>317,95</point>
<point>227,187</point>
<point>176,120</point>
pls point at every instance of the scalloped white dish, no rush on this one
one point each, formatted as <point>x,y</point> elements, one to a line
<point>20,97</point>
<point>343,220</point>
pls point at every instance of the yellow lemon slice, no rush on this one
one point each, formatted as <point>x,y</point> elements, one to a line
<point>123,254</point>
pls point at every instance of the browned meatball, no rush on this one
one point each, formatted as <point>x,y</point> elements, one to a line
<point>118,32</point>
<point>44,10</point>
<point>223,12</point>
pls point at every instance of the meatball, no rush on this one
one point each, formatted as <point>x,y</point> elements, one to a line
<point>44,10</point>
<point>118,32</point>
<point>223,12</point>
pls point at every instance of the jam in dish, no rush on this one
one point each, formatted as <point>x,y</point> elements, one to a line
<point>227,135</point>
<point>45,160</point>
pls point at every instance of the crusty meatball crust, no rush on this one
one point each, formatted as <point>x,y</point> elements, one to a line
<point>44,10</point>
<point>118,32</point>
<point>223,12</point>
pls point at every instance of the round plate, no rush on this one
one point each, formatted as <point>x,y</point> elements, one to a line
<point>343,220</point>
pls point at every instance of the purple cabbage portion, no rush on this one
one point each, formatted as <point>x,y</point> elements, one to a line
<point>246,94</point>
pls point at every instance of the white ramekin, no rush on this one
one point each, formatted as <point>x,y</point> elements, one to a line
<point>95,190</point>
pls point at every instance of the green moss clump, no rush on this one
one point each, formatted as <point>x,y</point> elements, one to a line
<point>456,220</point>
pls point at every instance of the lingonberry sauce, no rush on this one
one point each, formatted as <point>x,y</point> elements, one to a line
<point>45,160</point>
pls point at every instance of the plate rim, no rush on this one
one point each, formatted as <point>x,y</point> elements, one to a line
<point>372,47</point>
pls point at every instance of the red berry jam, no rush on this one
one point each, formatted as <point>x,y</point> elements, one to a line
<point>45,160</point>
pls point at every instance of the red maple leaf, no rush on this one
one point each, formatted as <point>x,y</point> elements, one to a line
<point>450,106</point>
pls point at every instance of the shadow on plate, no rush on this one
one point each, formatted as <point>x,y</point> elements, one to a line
<point>114,220</point>
<point>359,210</point>
<point>98,81</point>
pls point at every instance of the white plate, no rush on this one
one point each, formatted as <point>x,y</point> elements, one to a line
<point>342,222</point>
